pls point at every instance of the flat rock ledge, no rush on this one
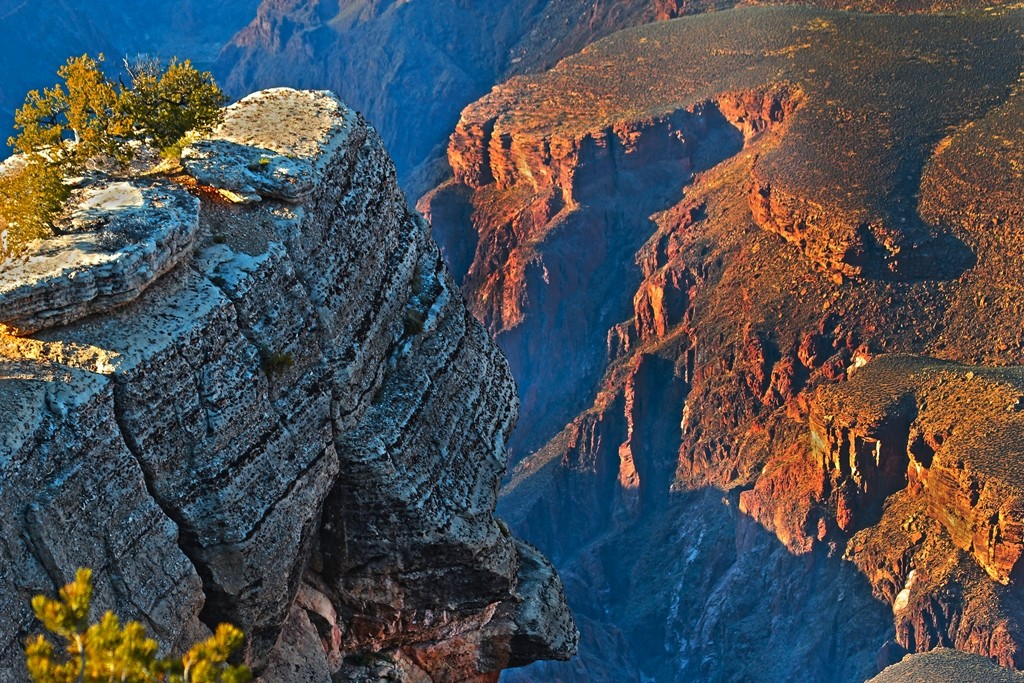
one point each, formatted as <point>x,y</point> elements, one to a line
<point>272,144</point>
<point>124,234</point>
<point>121,236</point>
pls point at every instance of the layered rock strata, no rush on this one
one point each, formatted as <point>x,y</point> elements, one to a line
<point>793,513</point>
<point>299,429</point>
<point>411,67</point>
<point>919,461</point>
<point>119,238</point>
<point>530,195</point>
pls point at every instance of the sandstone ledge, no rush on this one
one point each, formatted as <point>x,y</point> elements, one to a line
<point>121,236</point>
<point>945,431</point>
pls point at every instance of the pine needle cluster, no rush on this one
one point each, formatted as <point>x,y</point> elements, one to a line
<point>108,651</point>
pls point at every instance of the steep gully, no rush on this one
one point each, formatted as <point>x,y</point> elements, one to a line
<point>616,461</point>
<point>529,203</point>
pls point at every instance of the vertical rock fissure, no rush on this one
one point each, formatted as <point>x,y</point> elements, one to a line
<point>186,540</point>
<point>226,385</point>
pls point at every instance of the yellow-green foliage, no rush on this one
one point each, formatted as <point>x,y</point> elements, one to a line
<point>86,109</point>
<point>30,198</point>
<point>106,652</point>
<point>87,116</point>
<point>161,103</point>
<point>165,104</point>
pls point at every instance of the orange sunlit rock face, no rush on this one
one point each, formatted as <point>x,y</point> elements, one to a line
<point>784,209</point>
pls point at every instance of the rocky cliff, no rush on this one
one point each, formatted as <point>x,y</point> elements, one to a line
<point>946,666</point>
<point>253,394</point>
<point>412,66</point>
<point>708,245</point>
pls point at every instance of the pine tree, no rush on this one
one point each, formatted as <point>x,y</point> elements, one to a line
<point>87,116</point>
<point>106,651</point>
<point>31,196</point>
<point>85,110</point>
<point>166,103</point>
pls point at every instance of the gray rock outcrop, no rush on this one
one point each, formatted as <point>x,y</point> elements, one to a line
<point>299,429</point>
<point>119,238</point>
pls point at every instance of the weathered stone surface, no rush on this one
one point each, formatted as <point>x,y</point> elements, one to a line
<point>313,424</point>
<point>273,143</point>
<point>73,495</point>
<point>120,236</point>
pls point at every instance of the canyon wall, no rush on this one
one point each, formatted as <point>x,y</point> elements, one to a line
<point>412,66</point>
<point>298,428</point>
<point>750,471</point>
<point>556,222</point>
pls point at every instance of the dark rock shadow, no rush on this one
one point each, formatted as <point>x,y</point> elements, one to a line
<point>703,593</point>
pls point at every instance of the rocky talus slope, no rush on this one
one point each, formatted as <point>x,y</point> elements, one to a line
<point>946,666</point>
<point>763,303</point>
<point>283,417</point>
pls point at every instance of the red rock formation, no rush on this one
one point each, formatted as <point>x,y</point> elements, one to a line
<point>411,67</point>
<point>661,302</point>
<point>533,195</point>
<point>896,458</point>
<point>759,329</point>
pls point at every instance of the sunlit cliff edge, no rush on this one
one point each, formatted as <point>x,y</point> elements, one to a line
<point>264,402</point>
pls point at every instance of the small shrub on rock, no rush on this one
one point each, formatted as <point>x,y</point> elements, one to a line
<point>165,103</point>
<point>88,117</point>
<point>31,197</point>
<point>108,651</point>
<point>275,363</point>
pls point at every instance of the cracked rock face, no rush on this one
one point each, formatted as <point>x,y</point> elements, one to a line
<point>299,429</point>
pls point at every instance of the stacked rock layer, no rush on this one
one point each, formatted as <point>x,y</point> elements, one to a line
<point>298,429</point>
